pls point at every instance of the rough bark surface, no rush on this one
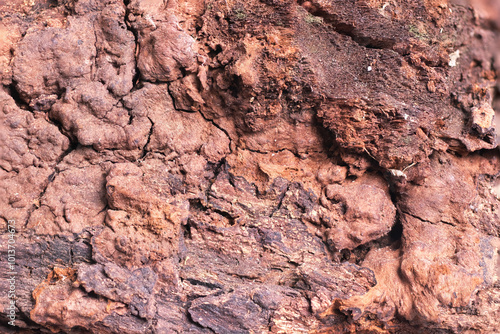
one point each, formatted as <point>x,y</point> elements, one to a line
<point>259,166</point>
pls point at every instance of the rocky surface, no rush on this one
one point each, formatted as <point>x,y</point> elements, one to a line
<point>263,166</point>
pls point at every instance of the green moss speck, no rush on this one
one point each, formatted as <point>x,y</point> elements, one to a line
<point>311,19</point>
<point>240,14</point>
<point>416,32</point>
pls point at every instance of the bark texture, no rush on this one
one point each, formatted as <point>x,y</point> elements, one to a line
<point>259,166</point>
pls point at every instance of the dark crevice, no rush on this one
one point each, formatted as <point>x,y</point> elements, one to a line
<point>136,80</point>
<point>145,148</point>
<point>186,233</point>
<point>72,146</point>
<point>211,286</point>
<point>396,232</point>
<point>72,140</point>
<point>197,205</point>
<point>106,208</point>
<point>93,68</point>
<point>391,239</point>
<point>358,254</point>
<point>14,93</point>
<point>267,152</point>
<point>3,168</point>
<point>329,144</point>
<point>280,203</point>
<point>215,52</point>
<point>226,215</point>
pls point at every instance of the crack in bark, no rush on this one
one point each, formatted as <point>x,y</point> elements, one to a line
<point>205,118</point>
<point>220,128</point>
<point>145,148</point>
<point>93,66</point>
<point>50,179</point>
<point>427,221</point>
<point>2,168</point>
<point>280,203</point>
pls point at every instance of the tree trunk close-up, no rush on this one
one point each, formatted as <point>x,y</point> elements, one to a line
<point>257,166</point>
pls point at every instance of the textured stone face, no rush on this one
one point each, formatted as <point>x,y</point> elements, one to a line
<point>360,213</point>
<point>322,166</point>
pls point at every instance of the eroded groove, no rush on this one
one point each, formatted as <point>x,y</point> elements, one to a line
<point>343,27</point>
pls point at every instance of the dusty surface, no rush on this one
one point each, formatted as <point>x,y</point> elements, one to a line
<point>269,166</point>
